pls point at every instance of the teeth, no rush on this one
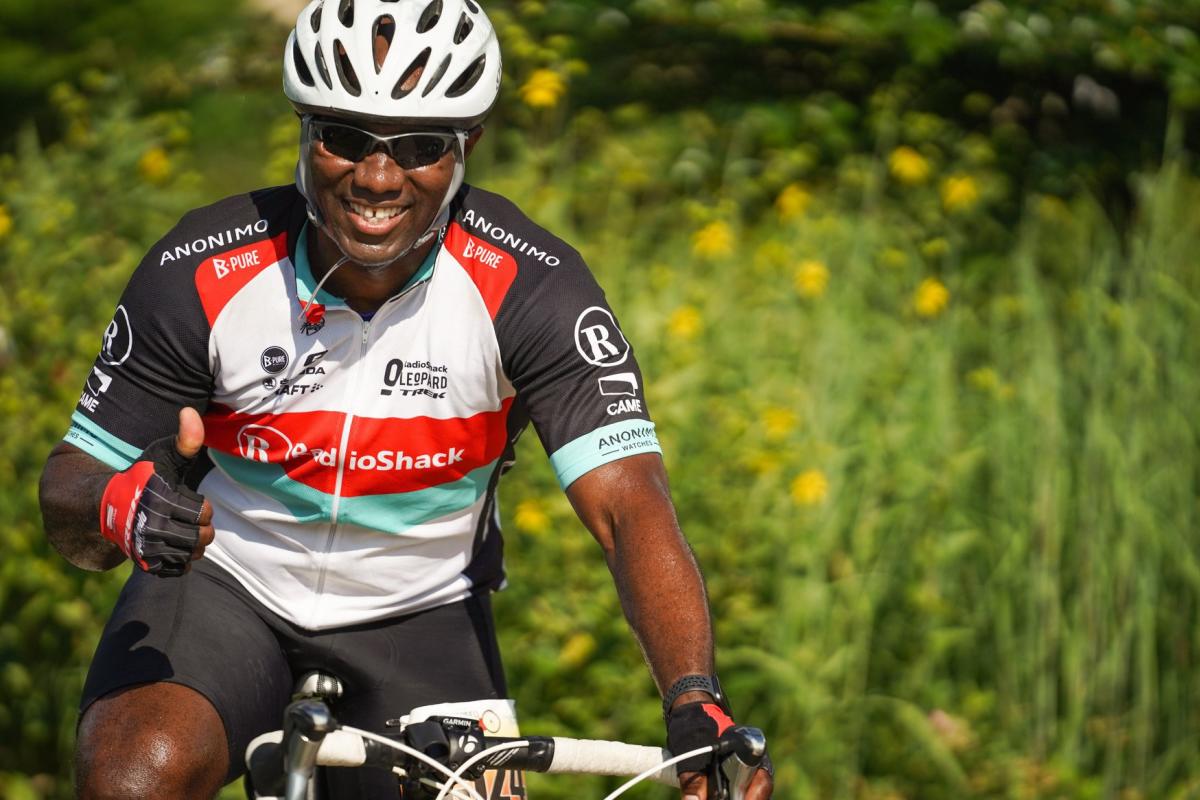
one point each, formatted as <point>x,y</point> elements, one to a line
<point>370,212</point>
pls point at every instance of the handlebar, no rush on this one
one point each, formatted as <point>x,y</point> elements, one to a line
<point>282,762</point>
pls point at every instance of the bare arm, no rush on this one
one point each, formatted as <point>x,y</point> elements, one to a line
<point>70,491</point>
<point>626,505</point>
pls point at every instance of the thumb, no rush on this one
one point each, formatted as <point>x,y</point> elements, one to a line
<point>190,438</point>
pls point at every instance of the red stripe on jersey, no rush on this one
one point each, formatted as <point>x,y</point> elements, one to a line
<point>223,275</point>
<point>383,456</point>
<point>491,269</point>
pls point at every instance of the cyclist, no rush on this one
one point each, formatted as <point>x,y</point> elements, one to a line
<point>301,409</point>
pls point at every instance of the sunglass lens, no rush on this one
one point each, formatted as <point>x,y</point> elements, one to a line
<point>344,142</point>
<point>419,151</point>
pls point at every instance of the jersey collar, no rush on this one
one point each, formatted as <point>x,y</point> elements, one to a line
<point>305,282</point>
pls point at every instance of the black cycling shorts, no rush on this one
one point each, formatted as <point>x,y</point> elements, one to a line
<point>204,631</point>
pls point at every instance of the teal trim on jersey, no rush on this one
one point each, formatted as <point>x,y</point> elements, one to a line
<point>98,443</point>
<point>305,282</point>
<point>629,438</point>
<point>389,513</point>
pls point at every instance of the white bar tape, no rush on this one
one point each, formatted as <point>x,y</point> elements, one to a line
<point>594,757</point>
<point>339,749</point>
<point>342,749</point>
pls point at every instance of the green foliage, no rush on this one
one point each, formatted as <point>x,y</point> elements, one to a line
<point>75,219</point>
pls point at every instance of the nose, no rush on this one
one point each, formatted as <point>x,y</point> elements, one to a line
<point>378,173</point>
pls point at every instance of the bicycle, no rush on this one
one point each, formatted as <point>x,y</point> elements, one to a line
<point>444,755</point>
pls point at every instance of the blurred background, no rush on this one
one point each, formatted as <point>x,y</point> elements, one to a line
<point>916,289</point>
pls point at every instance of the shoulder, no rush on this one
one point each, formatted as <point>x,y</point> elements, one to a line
<point>500,226</point>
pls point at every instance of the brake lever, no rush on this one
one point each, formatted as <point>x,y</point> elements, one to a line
<point>305,724</point>
<point>739,754</point>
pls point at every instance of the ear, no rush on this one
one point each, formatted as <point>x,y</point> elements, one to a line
<point>473,136</point>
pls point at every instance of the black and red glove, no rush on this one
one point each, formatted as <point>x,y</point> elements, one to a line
<point>148,512</point>
<point>700,724</point>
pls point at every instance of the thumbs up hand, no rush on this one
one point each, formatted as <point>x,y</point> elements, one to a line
<point>150,514</point>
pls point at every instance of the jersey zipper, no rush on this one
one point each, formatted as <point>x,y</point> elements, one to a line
<point>343,445</point>
<point>343,457</point>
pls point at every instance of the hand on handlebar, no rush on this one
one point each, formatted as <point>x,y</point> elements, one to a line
<point>694,725</point>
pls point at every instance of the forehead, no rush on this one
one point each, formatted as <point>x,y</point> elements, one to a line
<point>380,128</point>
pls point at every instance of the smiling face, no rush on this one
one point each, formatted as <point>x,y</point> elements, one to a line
<point>373,208</point>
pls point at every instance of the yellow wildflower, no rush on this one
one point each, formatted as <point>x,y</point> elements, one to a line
<point>811,278</point>
<point>713,240</point>
<point>793,201</point>
<point>531,517</point>
<point>810,487</point>
<point>685,323</point>
<point>544,89</point>
<point>6,222</point>
<point>959,193</point>
<point>577,649</point>
<point>155,165</point>
<point>931,298</point>
<point>908,166</point>
<point>778,422</point>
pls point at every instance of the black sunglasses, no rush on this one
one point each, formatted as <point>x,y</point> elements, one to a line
<point>409,150</point>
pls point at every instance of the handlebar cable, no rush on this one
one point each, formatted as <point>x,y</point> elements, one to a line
<point>634,781</point>
<point>475,759</point>
<point>417,754</point>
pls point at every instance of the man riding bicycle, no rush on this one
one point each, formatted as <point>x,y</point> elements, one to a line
<point>301,410</point>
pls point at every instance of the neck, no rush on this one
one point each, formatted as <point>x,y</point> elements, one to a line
<point>364,289</point>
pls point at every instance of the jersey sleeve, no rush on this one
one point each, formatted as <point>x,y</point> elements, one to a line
<point>153,360</point>
<point>573,368</point>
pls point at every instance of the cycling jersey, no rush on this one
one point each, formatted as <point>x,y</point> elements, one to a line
<point>352,462</point>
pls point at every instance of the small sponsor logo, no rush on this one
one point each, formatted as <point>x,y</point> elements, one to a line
<point>313,358</point>
<point>261,442</point>
<point>415,378</point>
<point>626,406</point>
<point>623,383</point>
<point>224,266</point>
<point>97,384</point>
<point>628,441</point>
<point>274,360</point>
<point>118,339</point>
<point>482,255</point>
<point>599,340</point>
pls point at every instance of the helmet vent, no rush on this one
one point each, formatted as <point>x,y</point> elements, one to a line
<point>345,71</point>
<point>437,76</point>
<point>474,8</point>
<point>315,19</point>
<point>464,29</point>
<point>469,77</point>
<point>430,16</point>
<point>381,38</point>
<point>322,70</point>
<point>346,13</point>
<point>408,81</point>
<point>302,70</point>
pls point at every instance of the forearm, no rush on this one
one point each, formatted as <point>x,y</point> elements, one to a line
<point>627,507</point>
<point>70,490</point>
<point>662,594</point>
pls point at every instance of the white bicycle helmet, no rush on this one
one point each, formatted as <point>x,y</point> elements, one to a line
<point>425,62</point>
